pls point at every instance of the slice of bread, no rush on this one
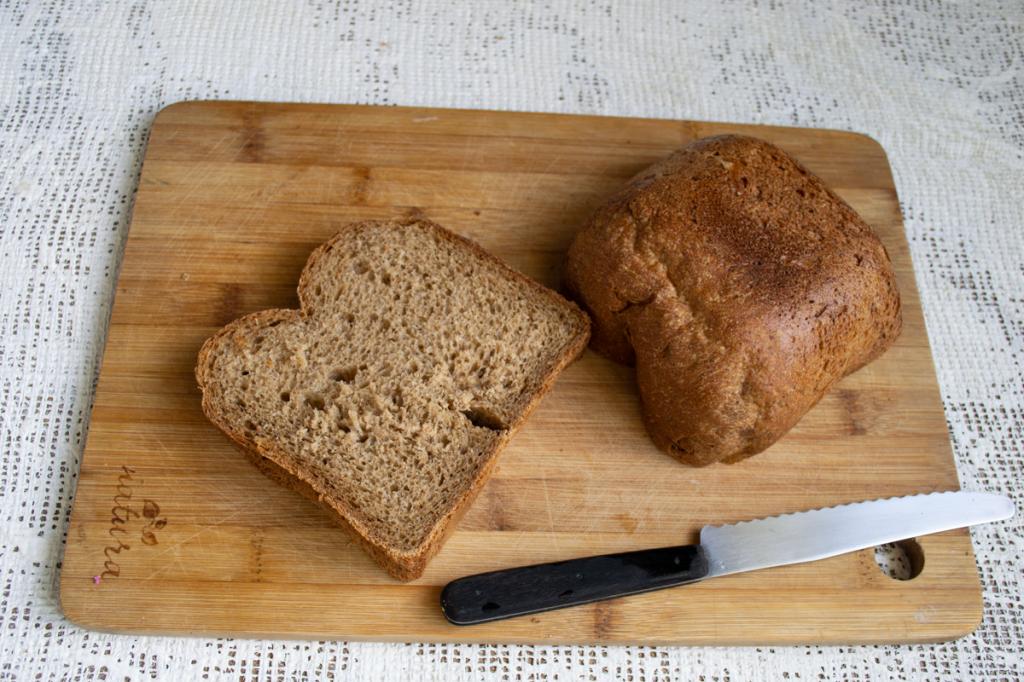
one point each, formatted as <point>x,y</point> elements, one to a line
<point>387,397</point>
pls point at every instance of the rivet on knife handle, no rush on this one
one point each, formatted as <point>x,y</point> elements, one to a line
<point>543,587</point>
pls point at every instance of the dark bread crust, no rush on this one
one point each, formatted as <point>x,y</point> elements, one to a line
<point>740,286</point>
<point>277,464</point>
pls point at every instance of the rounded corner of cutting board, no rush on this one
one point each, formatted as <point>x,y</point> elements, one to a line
<point>169,111</point>
<point>74,604</point>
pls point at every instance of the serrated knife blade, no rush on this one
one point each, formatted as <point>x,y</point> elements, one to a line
<point>723,550</point>
<point>821,533</point>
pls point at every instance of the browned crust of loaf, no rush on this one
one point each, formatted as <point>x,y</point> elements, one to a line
<point>402,564</point>
<point>710,271</point>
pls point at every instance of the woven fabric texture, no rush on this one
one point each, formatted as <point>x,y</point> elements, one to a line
<point>939,84</point>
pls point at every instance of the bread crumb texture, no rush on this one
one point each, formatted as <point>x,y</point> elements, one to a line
<point>414,356</point>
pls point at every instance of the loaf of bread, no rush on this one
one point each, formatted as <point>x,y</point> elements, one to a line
<point>740,286</point>
<point>414,358</point>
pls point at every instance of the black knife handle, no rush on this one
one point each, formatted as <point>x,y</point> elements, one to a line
<point>544,587</point>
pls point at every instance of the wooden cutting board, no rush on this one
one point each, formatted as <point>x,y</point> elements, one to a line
<point>174,532</point>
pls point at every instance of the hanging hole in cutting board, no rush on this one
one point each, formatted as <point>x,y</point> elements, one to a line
<point>903,560</point>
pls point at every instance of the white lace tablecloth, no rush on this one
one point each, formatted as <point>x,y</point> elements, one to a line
<point>939,84</point>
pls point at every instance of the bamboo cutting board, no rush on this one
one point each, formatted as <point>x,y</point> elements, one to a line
<point>173,531</point>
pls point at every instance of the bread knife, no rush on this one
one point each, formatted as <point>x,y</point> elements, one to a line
<point>746,546</point>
